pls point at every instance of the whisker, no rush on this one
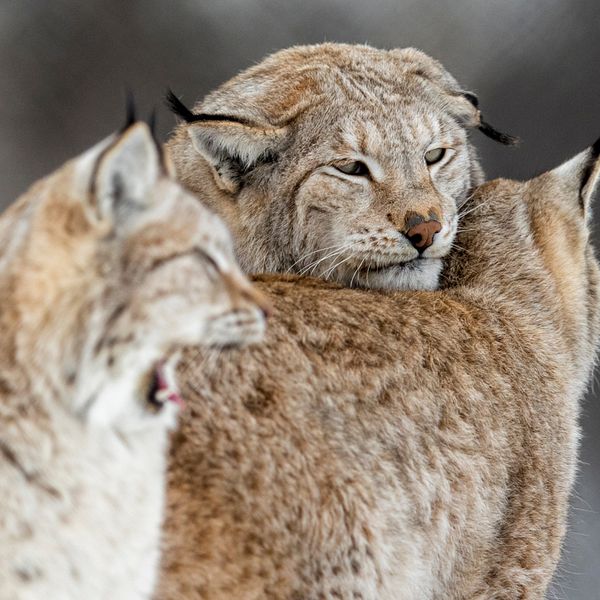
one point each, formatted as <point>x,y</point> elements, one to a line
<point>461,215</point>
<point>335,266</point>
<point>356,271</point>
<point>311,267</point>
<point>309,253</point>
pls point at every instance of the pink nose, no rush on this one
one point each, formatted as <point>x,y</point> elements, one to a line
<point>421,234</point>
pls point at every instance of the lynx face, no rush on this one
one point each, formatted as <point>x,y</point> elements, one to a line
<point>343,162</point>
<point>108,267</point>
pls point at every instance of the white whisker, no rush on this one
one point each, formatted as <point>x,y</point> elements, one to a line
<point>335,266</point>
<point>309,253</point>
<point>356,271</point>
<point>312,266</point>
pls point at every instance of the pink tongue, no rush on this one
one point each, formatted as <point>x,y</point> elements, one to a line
<point>171,395</point>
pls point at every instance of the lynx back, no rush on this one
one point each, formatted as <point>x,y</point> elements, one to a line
<point>403,446</point>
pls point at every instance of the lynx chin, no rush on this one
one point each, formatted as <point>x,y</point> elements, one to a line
<point>107,267</point>
<point>339,161</point>
<point>403,446</point>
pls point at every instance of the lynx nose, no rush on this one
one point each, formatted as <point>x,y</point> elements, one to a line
<point>421,232</point>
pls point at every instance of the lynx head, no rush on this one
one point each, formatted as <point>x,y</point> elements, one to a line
<point>334,160</point>
<point>107,267</point>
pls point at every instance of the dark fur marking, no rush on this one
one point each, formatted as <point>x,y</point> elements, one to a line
<point>11,457</point>
<point>472,98</point>
<point>176,106</point>
<point>129,111</point>
<point>497,136</point>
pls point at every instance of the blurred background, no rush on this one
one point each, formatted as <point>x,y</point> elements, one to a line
<point>535,65</point>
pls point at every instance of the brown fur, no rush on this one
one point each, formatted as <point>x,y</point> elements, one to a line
<point>402,446</point>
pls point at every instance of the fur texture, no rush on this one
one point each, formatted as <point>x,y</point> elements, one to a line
<point>107,267</point>
<point>399,446</point>
<point>268,150</point>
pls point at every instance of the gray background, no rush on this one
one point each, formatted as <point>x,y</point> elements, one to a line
<point>535,65</point>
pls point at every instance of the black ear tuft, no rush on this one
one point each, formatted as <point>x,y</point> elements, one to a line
<point>181,110</point>
<point>497,136</point>
<point>129,111</point>
<point>152,123</point>
<point>472,98</point>
<point>486,128</point>
<point>589,167</point>
<point>152,127</point>
<point>596,148</point>
<point>178,107</point>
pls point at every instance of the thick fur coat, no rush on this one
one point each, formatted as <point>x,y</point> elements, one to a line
<point>402,446</point>
<point>107,267</point>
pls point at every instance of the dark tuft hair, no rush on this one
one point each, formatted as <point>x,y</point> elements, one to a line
<point>152,122</point>
<point>130,117</point>
<point>472,98</point>
<point>497,136</point>
<point>176,106</point>
<point>487,129</point>
<point>596,148</point>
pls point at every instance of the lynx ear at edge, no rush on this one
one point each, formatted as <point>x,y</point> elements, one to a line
<point>582,174</point>
<point>232,145</point>
<point>591,174</point>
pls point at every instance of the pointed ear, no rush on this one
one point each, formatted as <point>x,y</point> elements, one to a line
<point>581,174</point>
<point>126,172</point>
<point>232,145</point>
<point>233,149</point>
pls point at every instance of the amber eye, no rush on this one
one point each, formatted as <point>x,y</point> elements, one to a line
<point>353,168</point>
<point>435,155</point>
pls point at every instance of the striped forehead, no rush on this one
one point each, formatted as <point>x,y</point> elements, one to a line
<point>410,128</point>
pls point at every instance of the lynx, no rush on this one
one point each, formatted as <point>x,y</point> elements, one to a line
<point>106,268</point>
<point>336,160</point>
<point>409,445</point>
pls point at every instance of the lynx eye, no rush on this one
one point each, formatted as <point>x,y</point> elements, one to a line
<point>435,155</point>
<point>356,167</point>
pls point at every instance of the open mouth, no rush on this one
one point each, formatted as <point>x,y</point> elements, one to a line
<point>162,389</point>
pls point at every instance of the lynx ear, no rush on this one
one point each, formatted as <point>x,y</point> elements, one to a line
<point>233,146</point>
<point>126,172</point>
<point>582,173</point>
